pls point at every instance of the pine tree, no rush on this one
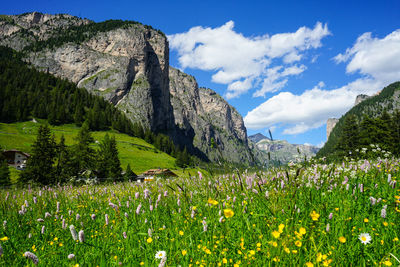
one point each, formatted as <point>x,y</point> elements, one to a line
<point>129,174</point>
<point>349,141</point>
<point>395,133</point>
<point>4,171</point>
<point>109,165</point>
<point>64,168</point>
<point>39,166</point>
<point>84,158</point>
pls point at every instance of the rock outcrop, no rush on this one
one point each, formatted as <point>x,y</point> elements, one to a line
<point>360,98</point>
<point>129,66</point>
<point>330,124</point>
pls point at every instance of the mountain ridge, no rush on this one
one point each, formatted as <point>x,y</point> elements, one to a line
<point>127,63</point>
<point>282,150</point>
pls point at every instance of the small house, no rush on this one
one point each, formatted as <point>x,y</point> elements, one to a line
<point>16,158</point>
<point>153,173</point>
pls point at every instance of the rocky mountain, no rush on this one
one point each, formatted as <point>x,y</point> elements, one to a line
<point>281,150</point>
<point>255,138</point>
<point>203,116</point>
<point>127,63</point>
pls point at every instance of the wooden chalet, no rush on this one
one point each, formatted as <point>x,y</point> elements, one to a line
<point>16,158</point>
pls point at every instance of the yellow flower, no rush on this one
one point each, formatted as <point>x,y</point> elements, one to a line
<point>298,243</point>
<point>61,244</point>
<point>395,239</point>
<point>4,238</point>
<point>387,263</point>
<point>228,213</point>
<point>342,239</point>
<point>309,264</point>
<point>302,231</point>
<point>212,201</point>
<point>385,224</point>
<point>319,257</point>
<point>184,252</point>
<point>149,240</point>
<point>365,220</point>
<point>258,245</point>
<point>252,252</point>
<point>314,215</point>
<point>115,257</point>
<point>224,260</point>
<point>281,226</point>
<point>141,263</point>
<point>276,234</point>
<point>294,251</point>
<point>76,265</point>
<point>180,232</point>
<point>274,244</point>
<point>287,250</point>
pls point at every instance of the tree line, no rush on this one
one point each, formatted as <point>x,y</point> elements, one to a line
<point>26,92</point>
<point>52,162</point>
<point>357,136</point>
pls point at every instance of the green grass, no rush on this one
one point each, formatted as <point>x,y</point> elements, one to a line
<point>274,218</point>
<point>135,151</point>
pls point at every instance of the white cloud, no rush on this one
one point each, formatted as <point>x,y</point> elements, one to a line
<point>276,79</point>
<point>243,62</point>
<point>376,60</point>
<point>374,57</point>
<point>309,110</point>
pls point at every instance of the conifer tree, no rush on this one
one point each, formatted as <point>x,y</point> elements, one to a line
<point>129,174</point>
<point>349,140</point>
<point>83,154</point>
<point>4,171</point>
<point>395,133</point>
<point>64,167</point>
<point>39,168</point>
<point>109,165</point>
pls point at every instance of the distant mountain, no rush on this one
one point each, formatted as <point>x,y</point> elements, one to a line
<point>281,150</point>
<point>255,138</point>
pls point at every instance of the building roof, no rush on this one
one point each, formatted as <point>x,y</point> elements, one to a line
<point>16,151</point>
<point>159,172</point>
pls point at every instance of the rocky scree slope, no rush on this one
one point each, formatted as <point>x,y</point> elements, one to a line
<point>127,63</point>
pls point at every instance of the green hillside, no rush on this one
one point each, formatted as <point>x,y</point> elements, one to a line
<point>139,154</point>
<point>373,108</point>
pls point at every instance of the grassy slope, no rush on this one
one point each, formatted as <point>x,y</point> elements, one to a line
<point>135,151</point>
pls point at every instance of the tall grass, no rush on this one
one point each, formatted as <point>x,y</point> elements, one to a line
<point>298,216</point>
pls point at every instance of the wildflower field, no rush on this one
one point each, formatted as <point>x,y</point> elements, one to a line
<point>314,215</point>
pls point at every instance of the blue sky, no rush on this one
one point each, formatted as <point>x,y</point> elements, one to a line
<point>284,65</point>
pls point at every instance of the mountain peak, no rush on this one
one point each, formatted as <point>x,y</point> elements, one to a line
<point>255,138</point>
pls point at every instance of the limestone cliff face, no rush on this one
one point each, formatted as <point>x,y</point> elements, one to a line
<point>201,114</point>
<point>129,66</point>
<point>18,31</point>
<point>330,124</point>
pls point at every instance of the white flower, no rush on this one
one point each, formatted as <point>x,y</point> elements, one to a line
<point>365,238</point>
<point>161,254</point>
